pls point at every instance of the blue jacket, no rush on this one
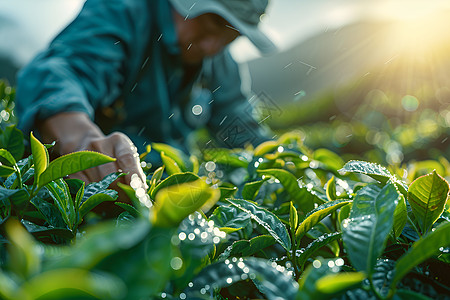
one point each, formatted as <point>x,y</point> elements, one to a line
<point>119,62</point>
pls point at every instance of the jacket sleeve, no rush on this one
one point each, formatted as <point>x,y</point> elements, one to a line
<point>84,66</point>
<point>233,121</point>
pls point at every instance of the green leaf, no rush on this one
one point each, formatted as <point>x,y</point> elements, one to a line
<point>309,289</point>
<point>92,202</point>
<point>265,147</point>
<point>176,202</point>
<point>247,248</point>
<point>333,284</point>
<point>426,247</point>
<point>43,231</point>
<point>317,215</point>
<point>60,193</point>
<point>154,252</point>
<point>331,189</point>
<point>11,139</point>
<point>100,242</point>
<point>128,208</point>
<point>172,180</point>
<point>427,196</point>
<point>316,245</point>
<point>101,186</point>
<point>176,156</point>
<point>329,159</point>
<point>250,189</point>
<point>79,196</point>
<point>9,158</point>
<point>291,185</point>
<point>9,289</point>
<point>18,198</point>
<point>366,231</point>
<point>5,171</point>
<point>71,163</point>
<point>225,157</point>
<point>400,216</point>
<point>293,217</point>
<point>266,219</point>
<point>229,218</point>
<point>73,281</point>
<point>40,158</point>
<point>375,171</point>
<point>227,192</point>
<point>170,165</point>
<point>24,259</point>
<point>156,177</point>
<point>5,209</point>
<point>273,283</point>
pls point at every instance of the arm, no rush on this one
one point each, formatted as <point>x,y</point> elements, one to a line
<point>86,67</point>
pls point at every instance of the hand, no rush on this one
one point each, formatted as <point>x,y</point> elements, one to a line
<point>74,131</point>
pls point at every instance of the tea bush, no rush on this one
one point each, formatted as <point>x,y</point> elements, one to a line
<point>279,221</point>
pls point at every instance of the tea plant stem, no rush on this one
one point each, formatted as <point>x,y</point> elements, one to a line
<point>414,226</point>
<point>293,257</point>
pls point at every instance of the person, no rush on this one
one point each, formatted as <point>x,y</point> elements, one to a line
<point>126,73</point>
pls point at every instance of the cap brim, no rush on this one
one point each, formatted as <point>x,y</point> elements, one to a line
<point>193,8</point>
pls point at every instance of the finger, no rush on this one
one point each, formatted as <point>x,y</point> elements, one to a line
<point>128,160</point>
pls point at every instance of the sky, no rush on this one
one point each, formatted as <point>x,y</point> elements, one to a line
<point>288,22</point>
<point>32,23</point>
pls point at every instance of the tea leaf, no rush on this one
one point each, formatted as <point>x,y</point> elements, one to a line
<point>6,155</point>
<point>11,139</point>
<point>60,193</point>
<point>266,219</point>
<point>229,218</point>
<point>331,189</point>
<point>92,202</point>
<point>293,216</point>
<point>172,180</point>
<point>400,216</point>
<point>40,158</point>
<point>72,281</point>
<point>424,248</point>
<point>317,215</point>
<point>374,170</point>
<point>333,284</point>
<point>176,202</point>
<point>5,209</point>
<point>5,171</point>
<point>129,208</point>
<point>329,159</point>
<point>316,245</point>
<point>170,165</point>
<point>71,163</point>
<point>273,283</point>
<point>370,222</point>
<point>226,157</point>
<point>247,248</point>
<point>250,189</point>
<point>308,283</point>
<point>427,196</point>
<point>291,185</point>
<point>23,252</point>
<point>176,155</point>
<point>265,147</point>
